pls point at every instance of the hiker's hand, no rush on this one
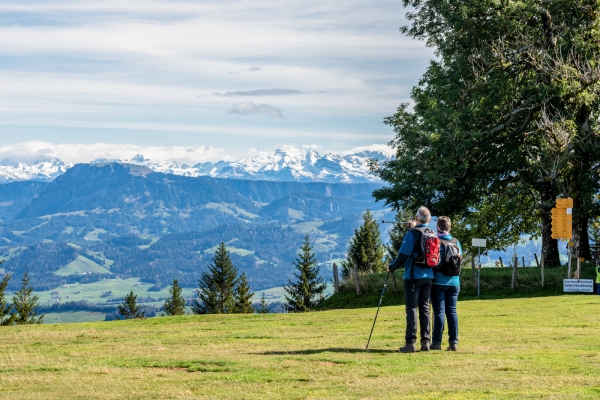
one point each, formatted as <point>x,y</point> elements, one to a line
<point>410,224</point>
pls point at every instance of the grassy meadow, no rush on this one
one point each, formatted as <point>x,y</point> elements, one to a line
<point>545,347</point>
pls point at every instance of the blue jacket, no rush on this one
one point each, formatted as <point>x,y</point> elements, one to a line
<point>441,279</point>
<point>406,258</point>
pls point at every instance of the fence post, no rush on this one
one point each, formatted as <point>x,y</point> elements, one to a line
<point>336,278</point>
<point>474,272</point>
<point>501,263</point>
<point>542,268</point>
<point>523,257</point>
<point>536,260</point>
<point>513,284</point>
<point>356,279</point>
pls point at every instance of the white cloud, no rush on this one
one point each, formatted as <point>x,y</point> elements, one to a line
<point>85,153</point>
<point>249,108</point>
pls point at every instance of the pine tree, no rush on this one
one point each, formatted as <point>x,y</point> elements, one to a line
<point>365,250</point>
<point>396,235</point>
<point>217,285</point>
<point>242,296</point>
<point>263,306</point>
<point>175,305</point>
<point>129,309</point>
<point>5,308</point>
<point>303,294</point>
<point>25,303</point>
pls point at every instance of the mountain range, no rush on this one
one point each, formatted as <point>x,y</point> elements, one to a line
<point>286,164</point>
<point>125,220</point>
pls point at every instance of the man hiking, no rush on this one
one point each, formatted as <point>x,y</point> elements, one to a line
<point>418,276</point>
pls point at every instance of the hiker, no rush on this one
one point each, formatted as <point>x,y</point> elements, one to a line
<point>417,281</point>
<point>598,279</point>
<point>446,286</point>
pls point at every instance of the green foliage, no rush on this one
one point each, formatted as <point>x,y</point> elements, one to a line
<point>242,296</point>
<point>507,113</point>
<point>397,234</point>
<point>129,309</point>
<point>5,307</point>
<point>365,250</point>
<point>304,294</point>
<point>263,306</point>
<point>175,304</point>
<point>216,295</point>
<point>25,304</point>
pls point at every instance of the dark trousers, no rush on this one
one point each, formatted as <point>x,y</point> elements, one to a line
<point>416,295</point>
<point>443,299</point>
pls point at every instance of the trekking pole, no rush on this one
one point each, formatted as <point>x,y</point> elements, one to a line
<point>378,307</point>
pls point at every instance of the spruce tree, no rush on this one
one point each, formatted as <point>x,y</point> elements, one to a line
<point>396,235</point>
<point>25,304</point>
<point>175,305</point>
<point>263,306</point>
<point>216,294</point>
<point>5,308</point>
<point>365,250</point>
<point>242,297</point>
<point>303,294</point>
<point>129,309</point>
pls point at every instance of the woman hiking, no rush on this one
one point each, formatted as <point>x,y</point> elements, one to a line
<point>445,288</point>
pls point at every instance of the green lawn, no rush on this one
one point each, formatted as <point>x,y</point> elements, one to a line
<point>515,348</point>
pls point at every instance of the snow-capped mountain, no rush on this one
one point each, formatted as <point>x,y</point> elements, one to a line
<point>286,164</point>
<point>38,169</point>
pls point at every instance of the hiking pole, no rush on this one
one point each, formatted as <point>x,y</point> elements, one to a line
<point>378,307</point>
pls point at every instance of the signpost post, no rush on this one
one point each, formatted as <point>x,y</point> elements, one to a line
<point>479,243</point>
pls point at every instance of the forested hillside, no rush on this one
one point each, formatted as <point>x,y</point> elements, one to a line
<point>118,220</point>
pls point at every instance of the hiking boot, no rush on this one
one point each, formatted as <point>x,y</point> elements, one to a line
<point>453,347</point>
<point>436,346</point>
<point>408,348</point>
<point>425,346</point>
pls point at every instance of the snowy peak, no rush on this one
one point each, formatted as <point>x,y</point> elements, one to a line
<point>287,163</point>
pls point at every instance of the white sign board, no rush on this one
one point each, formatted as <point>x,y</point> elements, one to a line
<point>478,243</point>
<point>578,285</point>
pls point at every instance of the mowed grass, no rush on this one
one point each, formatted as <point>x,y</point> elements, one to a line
<point>516,348</point>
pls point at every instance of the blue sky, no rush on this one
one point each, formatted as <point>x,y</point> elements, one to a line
<point>229,75</point>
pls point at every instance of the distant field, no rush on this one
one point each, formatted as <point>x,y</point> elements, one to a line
<point>517,348</point>
<point>81,264</point>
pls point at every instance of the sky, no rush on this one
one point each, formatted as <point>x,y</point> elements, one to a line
<point>226,77</point>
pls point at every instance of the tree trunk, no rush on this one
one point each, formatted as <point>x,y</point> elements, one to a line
<point>583,187</point>
<point>549,245</point>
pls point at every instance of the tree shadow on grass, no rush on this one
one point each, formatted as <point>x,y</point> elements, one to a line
<point>328,350</point>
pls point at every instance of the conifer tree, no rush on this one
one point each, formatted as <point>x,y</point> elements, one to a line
<point>242,296</point>
<point>5,308</point>
<point>365,250</point>
<point>396,235</point>
<point>263,306</point>
<point>217,285</point>
<point>25,304</point>
<point>303,294</point>
<point>129,309</point>
<point>175,305</point>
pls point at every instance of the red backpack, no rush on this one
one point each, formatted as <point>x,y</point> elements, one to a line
<point>427,246</point>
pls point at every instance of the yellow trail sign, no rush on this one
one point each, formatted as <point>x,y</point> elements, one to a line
<point>562,224</point>
<point>564,203</point>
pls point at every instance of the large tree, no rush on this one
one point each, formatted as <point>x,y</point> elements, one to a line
<point>365,249</point>
<point>25,304</point>
<point>216,286</point>
<point>504,120</point>
<point>304,293</point>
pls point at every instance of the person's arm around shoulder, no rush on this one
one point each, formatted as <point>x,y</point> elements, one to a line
<point>408,243</point>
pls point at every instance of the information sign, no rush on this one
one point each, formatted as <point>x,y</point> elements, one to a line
<point>578,285</point>
<point>478,242</point>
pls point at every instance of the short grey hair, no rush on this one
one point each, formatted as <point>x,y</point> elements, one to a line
<point>423,215</point>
